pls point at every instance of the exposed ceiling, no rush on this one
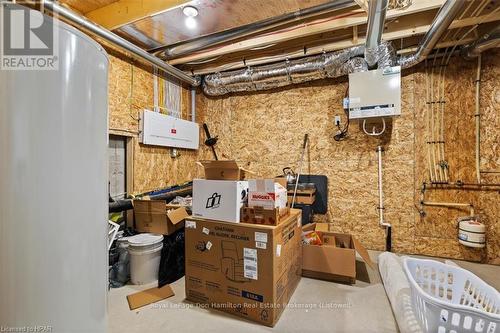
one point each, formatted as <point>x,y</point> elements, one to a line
<point>171,27</point>
<point>87,5</point>
<point>153,24</point>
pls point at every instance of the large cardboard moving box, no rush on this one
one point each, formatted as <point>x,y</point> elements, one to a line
<point>156,217</point>
<point>335,260</point>
<point>244,269</point>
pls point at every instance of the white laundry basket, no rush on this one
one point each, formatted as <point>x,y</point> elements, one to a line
<point>145,255</point>
<point>450,299</point>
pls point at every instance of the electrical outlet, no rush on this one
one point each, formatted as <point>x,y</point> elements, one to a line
<point>337,120</point>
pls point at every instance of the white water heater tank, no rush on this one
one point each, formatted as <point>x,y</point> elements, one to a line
<point>53,190</point>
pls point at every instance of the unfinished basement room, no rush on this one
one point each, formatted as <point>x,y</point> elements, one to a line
<point>250,166</point>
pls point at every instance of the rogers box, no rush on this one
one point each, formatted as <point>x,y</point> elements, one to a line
<point>248,270</point>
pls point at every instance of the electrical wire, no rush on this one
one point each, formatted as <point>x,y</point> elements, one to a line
<point>342,132</point>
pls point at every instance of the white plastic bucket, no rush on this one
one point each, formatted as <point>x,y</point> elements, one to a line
<point>145,254</point>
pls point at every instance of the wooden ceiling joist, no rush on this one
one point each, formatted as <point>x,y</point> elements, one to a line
<point>347,20</point>
<point>363,4</point>
<point>122,12</point>
<point>396,32</point>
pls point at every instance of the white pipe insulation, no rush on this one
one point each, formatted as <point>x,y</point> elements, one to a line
<point>381,208</point>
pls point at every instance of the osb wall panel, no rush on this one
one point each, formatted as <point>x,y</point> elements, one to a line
<point>264,132</point>
<point>131,90</point>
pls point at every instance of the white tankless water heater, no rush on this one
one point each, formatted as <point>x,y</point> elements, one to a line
<point>53,190</point>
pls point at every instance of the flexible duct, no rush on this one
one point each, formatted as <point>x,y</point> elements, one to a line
<point>443,19</point>
<point>488,41</point>
<point>333,64</point>
<point>376,21</point>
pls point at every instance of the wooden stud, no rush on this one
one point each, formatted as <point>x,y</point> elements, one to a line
<point>122,12</point>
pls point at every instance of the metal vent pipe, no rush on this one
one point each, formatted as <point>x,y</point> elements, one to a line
<point>331,64</point>
<point>441,22</point>
<point>376,20</point>
<point>84,23</point>
<point>203,42</point>
<point>486,42</point>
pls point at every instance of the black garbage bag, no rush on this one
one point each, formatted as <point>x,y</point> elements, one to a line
<point>172,258</point>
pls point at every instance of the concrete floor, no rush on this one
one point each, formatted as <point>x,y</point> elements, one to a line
<point>316,306</point>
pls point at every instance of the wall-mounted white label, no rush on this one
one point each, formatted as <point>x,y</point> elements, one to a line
<point>278,250</point>
<point>190,224</point>
<point>209,245</point>
<point>250,263</point>
<point>261,245</point>
<point>205,231</point>
<point>261,237</point>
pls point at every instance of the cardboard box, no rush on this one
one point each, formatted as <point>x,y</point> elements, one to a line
<point>248,270</point>
<point>155,217</point>
<point>335,260</point>
<point>222,170</point>
<point>259,215</point>
<point>266,193</point>
<point>303,197</point>
<point>219,199</point>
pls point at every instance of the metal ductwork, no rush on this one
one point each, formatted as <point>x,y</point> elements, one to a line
<point>488,41</point>
<point>84,23</point>
<point>334,64</point>
<point>327,65</point>
<point>443,19</point>
<point>376,20</point>
<point>200,43</point>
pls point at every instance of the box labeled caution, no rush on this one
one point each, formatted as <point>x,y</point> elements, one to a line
<point>248,270</point>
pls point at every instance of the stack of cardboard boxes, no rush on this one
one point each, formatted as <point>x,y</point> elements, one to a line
<point>245,249</point>
<point>247,269</point>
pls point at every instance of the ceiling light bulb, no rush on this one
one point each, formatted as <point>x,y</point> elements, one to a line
<point>190,11</point>
<point>191,23</point>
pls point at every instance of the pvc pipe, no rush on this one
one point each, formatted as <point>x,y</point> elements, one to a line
<point>449,204</point>
<point>84,23</point>
<point>443,159</point>
<point>477,115</point>
<point>427,122</point>
<point>380,190</point>
<point>193,104</point>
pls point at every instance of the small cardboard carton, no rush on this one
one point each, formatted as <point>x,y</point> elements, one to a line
<point>223,170</point>
<point>219,199</point>
<point>260,215</point>
<point>303,197</point>
<point>335,260</point>
<point>155,216</point>
<point>248,270</point>
<point>266,193</point>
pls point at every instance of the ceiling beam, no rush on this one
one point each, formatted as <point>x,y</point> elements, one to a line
<point>395,33</point>
<point>122,12</point>
<point>346,20</point>
<point>363,4</point>
<point>449,43</point>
